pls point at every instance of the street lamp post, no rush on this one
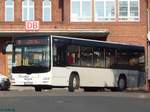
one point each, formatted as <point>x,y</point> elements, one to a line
<point>147,76</point>
<point>147,63</point>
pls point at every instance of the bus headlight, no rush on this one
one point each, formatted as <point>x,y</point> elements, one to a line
<point>46,80</point>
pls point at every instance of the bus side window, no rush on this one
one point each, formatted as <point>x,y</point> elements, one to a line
<point>73,55</point>
<point>99,57</point>
<point>70,59</point>
<point>122,58</point>
<point>87,56</point>
<point>110,58</point>
<point>141,60</point>
<point>136,60</point>
<point>59,54</point>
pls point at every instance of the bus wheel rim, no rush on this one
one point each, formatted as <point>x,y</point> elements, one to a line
<point>74,82</point>
<point>121,83</point>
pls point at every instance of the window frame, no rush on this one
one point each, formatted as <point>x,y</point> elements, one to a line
<point>105,18</point>
<point>81,18</point>
<point>6,8</point>
<point>27,7</point>
<point>45,7</point>
<point>129,18</point>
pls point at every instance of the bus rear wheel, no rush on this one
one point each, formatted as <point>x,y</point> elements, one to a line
<point>74,82</point>
<point>122,83</point>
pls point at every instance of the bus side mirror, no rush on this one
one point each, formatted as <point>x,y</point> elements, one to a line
<point>7,48</point>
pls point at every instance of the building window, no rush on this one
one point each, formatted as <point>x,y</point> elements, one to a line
<point>81,10</point>
<point>129,10</point>
<point>9,10</point>
<point>27,10</point>
<point>46,10</point>
<point>105,10</point>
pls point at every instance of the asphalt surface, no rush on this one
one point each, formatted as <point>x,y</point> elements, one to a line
<point>27,100</point>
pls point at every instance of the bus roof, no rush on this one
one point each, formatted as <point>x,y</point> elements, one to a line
<point>91,42</point>
<point>106,44</point>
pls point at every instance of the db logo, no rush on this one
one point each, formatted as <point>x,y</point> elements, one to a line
<point>32,25</point>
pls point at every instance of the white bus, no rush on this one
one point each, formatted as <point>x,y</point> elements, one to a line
<point>56,61</point>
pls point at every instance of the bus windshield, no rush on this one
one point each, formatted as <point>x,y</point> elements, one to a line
<point>31,56</point>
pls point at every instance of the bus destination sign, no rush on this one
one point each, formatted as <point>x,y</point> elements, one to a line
<point>31,42</point>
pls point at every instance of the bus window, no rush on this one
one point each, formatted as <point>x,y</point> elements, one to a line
<point>70,59</point>
<point>141,59</point>
<point>73,55</point>
<point>99,60</point>
<point>110,58</point>
<point>18,56</point>
<point>86,56</point>
<point>59,54</point>
<point>133,59</point>
<point>136,60</point>
<point>122,58</point>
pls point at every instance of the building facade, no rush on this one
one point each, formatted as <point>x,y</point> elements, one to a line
<point>124,21</point>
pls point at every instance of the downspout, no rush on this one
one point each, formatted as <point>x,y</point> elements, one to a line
<point>148,17</point>
<point>148,45</point>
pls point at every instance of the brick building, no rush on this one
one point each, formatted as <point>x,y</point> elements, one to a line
<point>123,21</point>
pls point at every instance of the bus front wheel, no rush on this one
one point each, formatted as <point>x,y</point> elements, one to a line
<point>74,82</point>
<point>38,89</point>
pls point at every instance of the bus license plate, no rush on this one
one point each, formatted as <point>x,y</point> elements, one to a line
<point>28,83</point>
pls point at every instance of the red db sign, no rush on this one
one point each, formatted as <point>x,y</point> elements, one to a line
<point>32,25</point>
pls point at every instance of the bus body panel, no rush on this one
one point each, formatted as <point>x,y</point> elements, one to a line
<point>135,79</point>
<point>89,77</point>
<point>31,79</point>
<point>60,76</point>
<point>96,77</point>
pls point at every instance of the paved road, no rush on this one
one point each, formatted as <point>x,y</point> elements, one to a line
<point>63,101</point>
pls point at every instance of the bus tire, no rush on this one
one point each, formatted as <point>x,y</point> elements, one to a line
<point>122,83</point>
<point>74,82</point>
<point>38,89</point>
